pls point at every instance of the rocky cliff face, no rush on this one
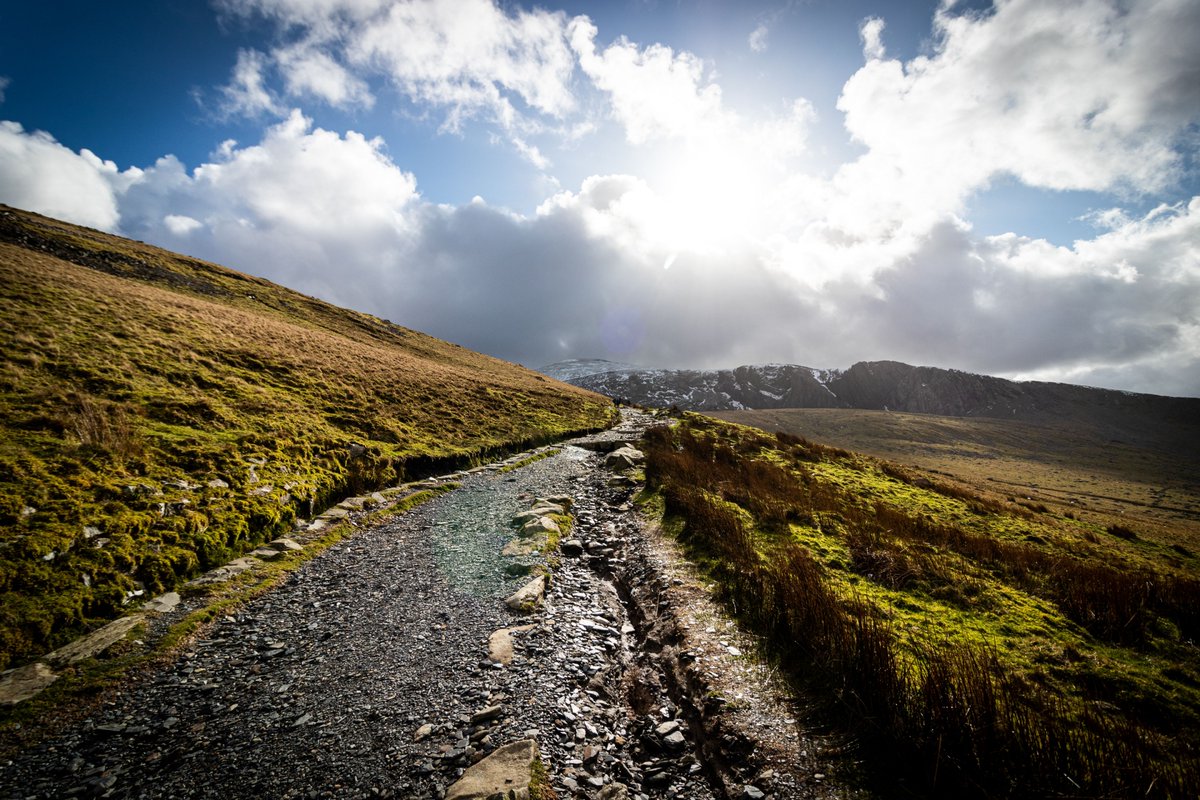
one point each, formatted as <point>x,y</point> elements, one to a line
<point>881,385</point>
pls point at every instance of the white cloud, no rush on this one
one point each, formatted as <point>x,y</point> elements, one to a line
<point>307,71</point>
<point>467,57</point>
<point>655,92</point>
<point>181,224</point>
<point>39,174</point>
<point>871,32</point>
<point>1088,94</point>
<point>758,38</point>
<point>531,153</point>
<point>247,92</point>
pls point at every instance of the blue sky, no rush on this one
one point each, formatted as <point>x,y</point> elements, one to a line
<point>1005,188</point>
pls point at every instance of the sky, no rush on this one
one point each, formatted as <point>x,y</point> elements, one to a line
<point>1008,187</point>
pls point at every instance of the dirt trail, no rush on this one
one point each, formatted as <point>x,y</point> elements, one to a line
<point>366,674</point>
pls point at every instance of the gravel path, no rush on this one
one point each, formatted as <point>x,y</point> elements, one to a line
<point>366,674</point>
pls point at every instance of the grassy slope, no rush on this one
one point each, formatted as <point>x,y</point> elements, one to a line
<point>135,382</point>
<point>1153,485</point>
<point>981,645</point>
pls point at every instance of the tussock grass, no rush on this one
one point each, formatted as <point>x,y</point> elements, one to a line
<point>971,649</point>
<point>161,415</point>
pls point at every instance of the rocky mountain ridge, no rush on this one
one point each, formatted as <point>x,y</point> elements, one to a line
<point>876,385</point>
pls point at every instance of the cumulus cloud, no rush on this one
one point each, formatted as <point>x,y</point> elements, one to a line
<point>1088,94</point>
<point>308,71</point>
<point>39,174</point>
<point>247,92</point>
<point>654,91</point>
<point>467,58</point>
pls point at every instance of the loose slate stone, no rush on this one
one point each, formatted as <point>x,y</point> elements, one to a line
<point>163,603</point>
<point>487,714</point>
<point>505,773</point>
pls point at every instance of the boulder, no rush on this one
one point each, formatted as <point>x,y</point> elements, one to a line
<point>529,597</point>
<point>540,526</point>
<point>525,516</point>
<point>624,458</point>
<point>506,773</point>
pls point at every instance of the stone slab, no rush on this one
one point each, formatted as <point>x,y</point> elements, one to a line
<point>500,644</point>
<point>20,684</point>
<point>94,643</point>
<point>506,773</point>
<point>163,603</point>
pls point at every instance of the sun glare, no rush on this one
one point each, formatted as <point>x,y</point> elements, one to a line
<point>711,197</point>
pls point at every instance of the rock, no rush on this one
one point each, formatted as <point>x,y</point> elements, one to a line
<point>520,568</point>
<point>566,501</point>
<point>284,544</point>
<point>423,732</point>
<point>265,553</point>
<point>667,728</point>
<point>217,483</point>
<point>94,643</point>
<point>524,547</point>
<point>500,646</point>
<point>529,597</point>
<point>24,682</point>
<point>488,714</point>
<point>541,525</point>
<point>614,791</point>
<point>506,773</point>
<point>624,458</point>
<point>548,508</point>
<point>525,516</point>
<point>752,792</point>
<point>571,547</point>
<point>163,603</point>
<point>675,741</point>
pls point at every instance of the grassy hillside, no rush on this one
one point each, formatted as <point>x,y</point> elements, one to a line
<point>973,645</point>
<point>1146,478</point>
<point>161,414</point>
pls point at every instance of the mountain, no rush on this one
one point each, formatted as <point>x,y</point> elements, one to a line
<point>575,368</point>
<point>160,415</point>
<point>893,386</point>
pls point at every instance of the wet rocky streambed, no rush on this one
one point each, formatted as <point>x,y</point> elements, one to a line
<point>367,674</point>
